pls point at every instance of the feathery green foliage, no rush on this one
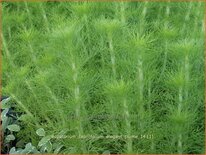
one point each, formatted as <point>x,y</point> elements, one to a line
<point>87,72</point>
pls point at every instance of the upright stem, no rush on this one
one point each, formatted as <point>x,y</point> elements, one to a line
<point>166,43</point>
<point>7,51</point>
<point>113,116</point>
<point>141,78</point>
<point>112,55</point>
<point>150,112</point>
<point>128,125</point>
<point>143,15</point>
<point>45,17</point>
<point>186,75</point>
<point>86,21</point>
<point>141,89</point>
<point>9,32</point>
<point>196,19</point>
<point>167,11</point>
<point>149,96</point>
<point>187,17</point>
<point>77,102</point>
<point>144,12</point>
<point>159,13</point>
<point>186,70</point>
<point>180,100</point>
<point>122,10</point>
<point>179,147</point>
<point>76,94</point>
<point>29,14</point>
<point>165,58</point>
<point>180,144</point>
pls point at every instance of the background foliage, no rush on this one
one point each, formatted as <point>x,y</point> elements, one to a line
<point>105,68</point>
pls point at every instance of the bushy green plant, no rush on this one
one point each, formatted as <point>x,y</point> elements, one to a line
<point>81,73</point>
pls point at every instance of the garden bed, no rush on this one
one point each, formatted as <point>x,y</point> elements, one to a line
<point>103,77</point>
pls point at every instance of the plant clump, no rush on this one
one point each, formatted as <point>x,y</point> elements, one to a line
<point>103,77</point>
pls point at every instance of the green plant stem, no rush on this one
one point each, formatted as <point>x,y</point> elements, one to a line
<point>152,147</point>
<point>144,12</point>
<point>76,96</point>
<point>167,11</point>
<point>122,10</point>
<point>112,56</point>
<point>186,71</point>
<point>166,44</point>
<point>114,124</point>
<point>85,18</point>
<point>149,97</point>
<point>141,79</point>
<point>7,51</point>
<point>141,87</point>
<point>165,58</point>
<point>128,125</point>
<point>9,32</point>
<point>28,12</point>
<point>196,28</point>
<point>187,76</point>
<point>180,99</point>
<point>180,151</point>
<point>179,111</point>
<point>78,105</point>
<point>143,15</point>
<point>196,19</point>
<point>187,17</point>
<point>44,17</point>
<point>159,13</point>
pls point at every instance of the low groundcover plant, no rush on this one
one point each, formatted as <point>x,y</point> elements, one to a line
<point>103,77</point>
